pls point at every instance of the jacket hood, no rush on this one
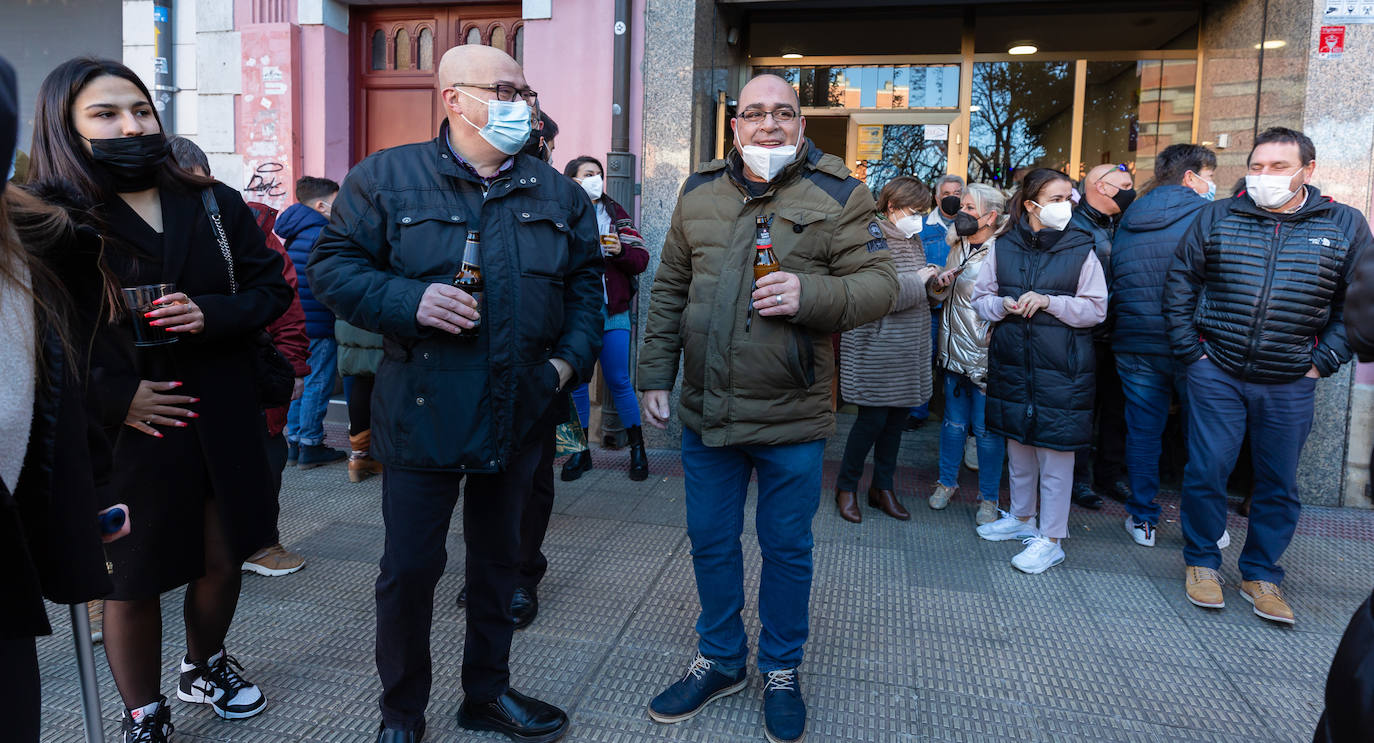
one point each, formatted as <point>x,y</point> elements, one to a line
<point>296,219</point>
<point>1162,207</point>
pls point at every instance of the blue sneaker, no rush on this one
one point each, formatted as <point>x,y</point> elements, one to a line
<point>784,711</point>
<point>701,685</point>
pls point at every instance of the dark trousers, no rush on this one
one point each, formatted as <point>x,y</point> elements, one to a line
<point>19,692</point>
<point>1105,461</point>
<point>879,429</point>
<point>359,396</point>
<point>1221,409</point>
<point>416,508</point>
<point>276,462</point>
<point>535,520</point>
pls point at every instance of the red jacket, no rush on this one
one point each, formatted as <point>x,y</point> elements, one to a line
<point>287,331</point>
<point>623,270</point>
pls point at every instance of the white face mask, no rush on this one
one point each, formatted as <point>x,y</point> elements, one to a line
<point>592,184</point>
<point>767,162</point>
<point>1055,216</point>
<point>1271,191</point>
<point>910,224</point>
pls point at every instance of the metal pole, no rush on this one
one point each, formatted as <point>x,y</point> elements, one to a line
<point>85,668</point>
<point>164,84</point>
<point>620,165</point>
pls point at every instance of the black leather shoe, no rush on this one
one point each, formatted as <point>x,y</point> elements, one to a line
<point>913,423</point>
<point>1120,491</point>
<point>463,596</point>
<point>1085,497</point>
<point>516,716</point>
<point>577,465</point>
<point>392,735</point>
<point>524,606</point>
<point>639,460</point>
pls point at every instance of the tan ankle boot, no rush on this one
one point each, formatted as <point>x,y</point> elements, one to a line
<point>361,465</point>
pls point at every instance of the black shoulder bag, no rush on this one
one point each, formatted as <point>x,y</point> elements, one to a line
<point>274,377</point>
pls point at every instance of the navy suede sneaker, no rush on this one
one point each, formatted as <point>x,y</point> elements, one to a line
<point>784,712</point>
<point>702,684</point>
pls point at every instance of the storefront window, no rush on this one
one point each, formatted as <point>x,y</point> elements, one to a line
<point>1021,117</point>
<point>873,87</point>
<point>908,149</point>
<point>1132,110</point>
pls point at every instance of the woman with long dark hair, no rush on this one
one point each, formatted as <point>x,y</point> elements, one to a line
<point>1044,290</point>
<point>183,415</point>
<point>626,259</point>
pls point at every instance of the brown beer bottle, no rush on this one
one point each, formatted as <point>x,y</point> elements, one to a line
<point>469,277</point>
<point>765,261</point>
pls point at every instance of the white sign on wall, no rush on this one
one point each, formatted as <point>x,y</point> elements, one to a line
<point>1344,11</point>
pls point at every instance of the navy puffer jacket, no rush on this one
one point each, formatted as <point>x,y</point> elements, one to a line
<point>300,226</point>
<point>1144,247</point>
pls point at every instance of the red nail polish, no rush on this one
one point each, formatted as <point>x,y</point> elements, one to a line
<point>192,415</point>
<point>148,314</point>
<point>176,384</point>
<point>181,424</point>
<point>155,433</point>
<point>195,399</point>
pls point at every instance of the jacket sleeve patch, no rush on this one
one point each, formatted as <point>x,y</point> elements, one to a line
<point>875,230</point>
<point>876,245</point>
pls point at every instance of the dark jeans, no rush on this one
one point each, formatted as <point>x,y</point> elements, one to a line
<point>19,688</point>
<point>1105,461</point>
<point>276,462</point>
<point>1149,384</point>
<point>1221,409</point>
<point>534,522</point>
<point>879,429</point>
<point>717,480</point>
<point>416,508</point>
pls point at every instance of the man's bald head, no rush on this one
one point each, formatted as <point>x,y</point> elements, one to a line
<point>1096,174</point>
<point>768,89</point>
<point>475,63</point>
<point>1102,184</point>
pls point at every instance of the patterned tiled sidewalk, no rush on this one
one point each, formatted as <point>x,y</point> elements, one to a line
<point>919,630</point>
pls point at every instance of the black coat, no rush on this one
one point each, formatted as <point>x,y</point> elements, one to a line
<point>49,536</point>
<point>1262,294</point>
<point>1041,372</point>
<point>1349,715</point>
<point>166,482</point>
<point>443,402</point>
<point>1142,250</point>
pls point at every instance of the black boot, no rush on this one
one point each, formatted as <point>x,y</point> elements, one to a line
<point>577,465</point>
<point>639,461</point>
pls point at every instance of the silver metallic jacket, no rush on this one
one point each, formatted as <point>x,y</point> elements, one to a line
<point>963,344</point>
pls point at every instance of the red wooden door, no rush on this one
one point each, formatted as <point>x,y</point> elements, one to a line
<point>396,53</point>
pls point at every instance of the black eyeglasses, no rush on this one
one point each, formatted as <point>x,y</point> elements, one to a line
<point>504,92</point>
<point>756,116</point>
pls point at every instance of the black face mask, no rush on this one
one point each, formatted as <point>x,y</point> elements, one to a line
<point>132,163</point>
<point>951,205</point>
<point>1123,198</point>
<point>965,225</point>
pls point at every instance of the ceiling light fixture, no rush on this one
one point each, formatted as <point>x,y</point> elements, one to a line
<point>792,55</point>
<point>1023,47</point>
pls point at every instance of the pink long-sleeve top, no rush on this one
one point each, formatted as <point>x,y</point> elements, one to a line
<point>1086,308</point>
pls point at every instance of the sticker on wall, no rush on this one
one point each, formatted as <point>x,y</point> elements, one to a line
<point>1331,42</point>
<point>936,132</point>
<point>1348,12</point>
<point>870,142</point>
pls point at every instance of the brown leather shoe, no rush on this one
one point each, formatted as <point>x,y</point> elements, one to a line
<point>361,465</point>
<point>1268,600</point>
<point>848,505</point>
<point>886,501</point>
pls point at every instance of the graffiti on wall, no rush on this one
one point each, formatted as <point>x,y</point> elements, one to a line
<point>266,118</point>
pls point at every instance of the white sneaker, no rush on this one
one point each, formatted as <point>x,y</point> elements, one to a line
<point>1225,540</point>
<point>1140,531</point>
<point>1008,527</point>
<point>971,453</point>
<point>1040,555</point>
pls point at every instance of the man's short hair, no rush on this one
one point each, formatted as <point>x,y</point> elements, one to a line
<point>1307,151</point>
<point>310,188</point>
<point>948,178</point>
<point>188,154</point>
<point>1177,159</point>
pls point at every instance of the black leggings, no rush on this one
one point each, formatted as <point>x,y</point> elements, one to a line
<point>879,429</point>
<point>360,404</point>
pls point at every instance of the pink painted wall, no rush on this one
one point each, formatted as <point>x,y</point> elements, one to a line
<point>569,59</point>
<point>326,91</point>
<point>269,112</point>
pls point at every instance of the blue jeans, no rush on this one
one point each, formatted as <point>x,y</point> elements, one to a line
<point>615,367</point>
<point>1221,409</point>
<point>1148,384</point>
<point>717,478</point>
<point>964,404</point>
<point>922,411</point>
<point>305,417</point>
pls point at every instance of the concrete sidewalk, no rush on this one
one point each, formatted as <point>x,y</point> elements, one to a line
<point>920,631</point>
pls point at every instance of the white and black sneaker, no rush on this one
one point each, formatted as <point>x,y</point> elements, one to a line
<point>144,726</point>
<point>217,683</point>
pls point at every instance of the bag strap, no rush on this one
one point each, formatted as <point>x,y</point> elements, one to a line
<point>217,221</point>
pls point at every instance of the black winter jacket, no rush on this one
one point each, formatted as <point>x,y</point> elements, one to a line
<point>444,402</point>
<point>1102,228</point>
<point>1141,254</point>
<point>1261,294</point>
<point>1041,372</point>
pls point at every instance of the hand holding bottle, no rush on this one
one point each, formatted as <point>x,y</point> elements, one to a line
<point>778,295</point>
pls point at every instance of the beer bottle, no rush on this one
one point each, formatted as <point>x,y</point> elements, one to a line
<point>469,276</point>
<point>765,261</point>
